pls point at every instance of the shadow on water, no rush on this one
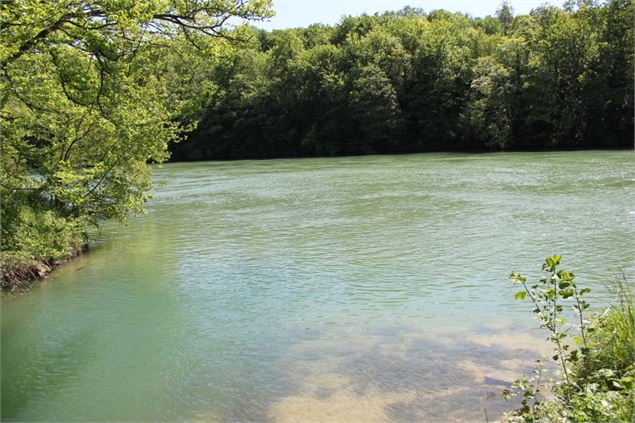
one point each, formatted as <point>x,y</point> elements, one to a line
<point>59,364</point>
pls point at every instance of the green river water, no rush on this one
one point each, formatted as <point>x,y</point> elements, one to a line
<point>339,289</point>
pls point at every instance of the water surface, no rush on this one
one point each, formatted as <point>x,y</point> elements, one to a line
<point>353,289</point>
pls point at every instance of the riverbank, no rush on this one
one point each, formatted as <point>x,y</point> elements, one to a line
<point>177,155</point>
<point>18,271</point>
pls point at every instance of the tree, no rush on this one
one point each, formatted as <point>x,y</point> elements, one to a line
<point>488,111</point>
<point>505,14</point>
<point>375,109</point>
<point>82,107</point>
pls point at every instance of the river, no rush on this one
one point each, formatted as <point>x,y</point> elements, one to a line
<point>341,289</point>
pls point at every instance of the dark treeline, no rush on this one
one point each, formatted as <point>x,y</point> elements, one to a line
<point>410,81</point>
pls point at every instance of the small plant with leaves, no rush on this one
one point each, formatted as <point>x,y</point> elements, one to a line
<point>595,353</point>
<point>550,296</point>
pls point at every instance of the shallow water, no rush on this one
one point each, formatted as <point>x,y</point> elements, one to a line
<point>348,289</point>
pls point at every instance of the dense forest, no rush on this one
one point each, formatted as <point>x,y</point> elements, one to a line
<point>411,81</point>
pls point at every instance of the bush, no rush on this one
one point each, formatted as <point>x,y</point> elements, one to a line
<point>46,235</point>
<point>596,383</point>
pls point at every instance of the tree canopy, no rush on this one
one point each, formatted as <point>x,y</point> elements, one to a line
<point>84,105</point>
<point>411,81</point>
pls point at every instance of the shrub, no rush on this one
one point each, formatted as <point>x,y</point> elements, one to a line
<point>46,235</point>
<point>596,383</point>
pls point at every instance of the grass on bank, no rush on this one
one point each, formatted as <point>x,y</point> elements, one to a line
<point>596,354</point>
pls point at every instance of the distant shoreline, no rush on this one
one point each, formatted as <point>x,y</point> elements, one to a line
<point>457,151</point>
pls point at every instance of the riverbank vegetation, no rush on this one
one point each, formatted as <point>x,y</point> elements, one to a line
<point>84,108</point>
<point>595,353</point>
<point>414,80</point>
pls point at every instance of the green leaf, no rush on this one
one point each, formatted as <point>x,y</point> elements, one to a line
<point>567,293</point>
<point>520,295</point>
<point>573,357</point>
